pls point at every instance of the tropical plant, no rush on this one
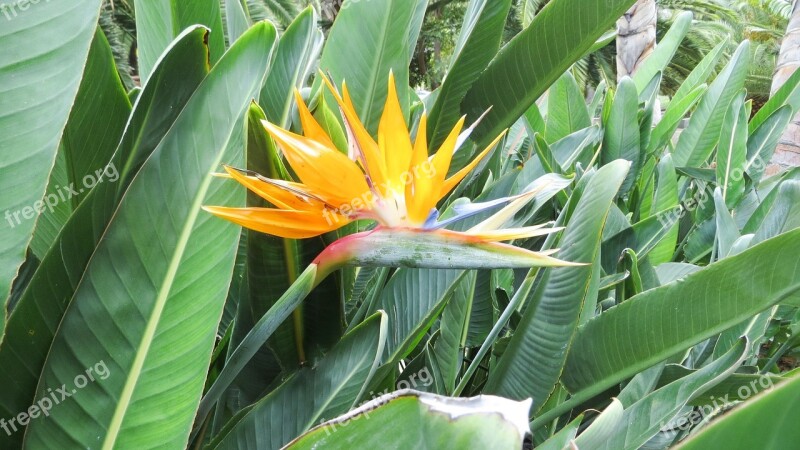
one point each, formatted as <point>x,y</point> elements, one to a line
<point>368,293</point>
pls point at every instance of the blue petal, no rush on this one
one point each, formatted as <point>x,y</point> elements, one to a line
<point>431,221</point>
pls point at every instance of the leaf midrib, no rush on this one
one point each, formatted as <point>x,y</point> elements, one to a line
<point>124,402</point>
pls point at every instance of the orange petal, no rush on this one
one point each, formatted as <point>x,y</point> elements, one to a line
<point>324,170</point>
<point>281,197</point>
<point>358,134</point>
<point>277,222</point>
<point>393,138</point>
<point>427,188</point>
<point>418,159</point>
<point>311,128</point>
<point>453,181</point>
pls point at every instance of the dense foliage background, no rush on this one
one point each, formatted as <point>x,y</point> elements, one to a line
<point>131,318</point>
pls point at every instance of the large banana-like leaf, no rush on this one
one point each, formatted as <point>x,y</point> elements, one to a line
<point>697,141</point>
<point>701,73</point>
<point>523,70</point>
<point>534,359</point>
<point>45,47</point>
<point>767,422</point>
<point>152,320</point>
<point>449,347</point>
<point>566,109</point>
<point>367,40</point>
<point>93,131</point>
<point>784,213</point>
<point>667,46</point>
<point>643,419</point>
<point>477,44</point>
<point>295,55</point>
<point>732,152</point>
<point>786,95</point>
<point>763,141</point>
<point>676,110</point>
<point>665,199</point>
<point>158,22</point>
<point>424,421</point>
<point>313,395</point>
<point>661,322</point>
<point>33,323</point>
<point>601,428</point>
<point>413,299</point>
<point>237,18</point>
<point>622,137</point>
<point>277,262</point>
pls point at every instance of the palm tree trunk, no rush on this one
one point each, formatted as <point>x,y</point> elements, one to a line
<point>788,152</point>
<point>330,9</point>
<point>636,37</point>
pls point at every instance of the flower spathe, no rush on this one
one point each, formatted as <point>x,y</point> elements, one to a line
<point>392,181</point>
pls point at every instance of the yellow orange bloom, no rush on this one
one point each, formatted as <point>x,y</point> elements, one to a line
<point>391,180</point>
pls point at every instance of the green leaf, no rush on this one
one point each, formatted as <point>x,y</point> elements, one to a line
<point>727,231</point>
<point>45,50</point>
<point>786,95</point>
<point>413,299</point>
<point>533,361</point>
<point>644,419</point>
<point>295,57</point>
<point>669,272</point>
<point>477,43</point>
<point>313,395</point>
<point>699,138</point>
<point>271,261</point>
<point>527,11</point>
<point>566,110</point>
<point>562,439</point>
<point>664,52</point>
<point>763,141</point>
<point>257,337</point>
<point>665,199</point>
<point>700,74</point>
<point>768,421</point>
<point>676,111</point>
<point>237,19</point>
<point>329,122</point>
<point>449,347</point>
<point>524,69</point>
<point>622,137</point>
<point>661,322</point>
<point>277,262</point>
<point>367,41</point>
<point>36,318</point>
<point>94,128</point>
<point>732,153</point>
<point>158,22</point>
<point>768,202</point>
<point>427,422</point>
<point>172,287</point>
<point>784,214</point>
<point>578,147</point>
<point>602,428</point>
